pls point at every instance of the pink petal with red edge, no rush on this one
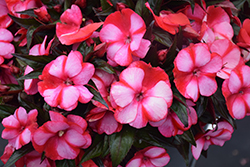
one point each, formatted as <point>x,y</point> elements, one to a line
<point>245,70</point>
<point>51,149</point>
<point>53,96</point>
<point>143,49</point>
<point>154,152</point>
<point>21,116</point>
<point>122,94</point>
<point>168,128</point>
<point>55,126</point>
<point>116,35</point>
<point>140,120</point>
<point>127,114</point>
<point>207,85</point>
<point>133,77</point>
<point>25,137</point>
<point>223,30</point>
<point>162,161</point>
<point>108,124</point>
<point>216,15</point>
<point>123,56</point>
<point>6,50</point>
<point>72,16</point>
<point>10,133</point>
<point>192,89</point>
<point>74,138</point>
<point>11,122</point>
<point>134,162</point>
<point>6,35</point>
<point>183,61</point>
<point>77,120</point>
<point>201,54</point>
<point>206,34</point>
<point>84,94</point>
<point>73,64</point>
<point>57,67</point>
<point>156,108</point>
<point>136,24</point>
<point>196,151</point>
<point>136,41</point>
<point>214,65</point>
<point>113,49</point>
<point>85,74</point>
<point>65,151</point>
<point>234,83</point>
<point>55,116</point>
<point>70,95</point>
<point>40,137</point>
<point>239,108</point>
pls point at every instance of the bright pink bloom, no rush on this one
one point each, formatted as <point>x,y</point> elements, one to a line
<point>172,125</point>
<point>62,138</point>
<point>236,91</point>
<point>19,127</point>
<point>5,20</point>
<point>195,71</point>
<point>63,80</point>
<point>244,34</point>
<point>6,48</point>
<point>69,31</point>
<point>230,54</point>
<point>22,38</point>
<point>143,94</point>
<point>150,157</point>
<point>39,49</point>
<point>123,31</point>
<point>212,136</point>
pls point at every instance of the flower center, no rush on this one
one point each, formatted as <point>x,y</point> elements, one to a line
<point>196,72</point>
<point>208,137</point>
<point>139,96</point>
<point>68,82</point>
<point>128,39</point>
<point>60,133</point>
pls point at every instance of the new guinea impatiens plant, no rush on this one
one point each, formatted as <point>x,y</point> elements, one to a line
<point>117,83</point>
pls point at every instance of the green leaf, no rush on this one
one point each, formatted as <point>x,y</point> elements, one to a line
<point>29,35</point>
<point>97,96</point>
<point>96,149</point>
<point>201,106</point>
<point>18,154</point>
<point>29,12</point>
<point>103,65</point>
<point>239,4</point>
<point>67,4</point>
<point>141,9</point>
<point>162,36</point>
<point>6,110</point>
<point>155,5</point>
<point>120,143</point>
<point>184,151</point>
<point>84,49</point>
<point>65,163</point>
<point>189,137</point>
<point>26,23</point>
<point>98,162</point>
<point>105,5</point>
<point>31,75</point>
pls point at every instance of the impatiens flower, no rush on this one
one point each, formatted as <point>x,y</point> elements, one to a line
<point>6,73</point>
<point>5,20</point>
<point>172,125</point>
<point>150,157</point>
<point>63,80</point>
<point>214,136</point>
<point>62,138</point>
<point>22,38</point>
<point>244,35</point>
<point>143,94</point>
<point>236,90</point>
<point>42,14</point>
<point>69,31</point>
<point>123,31</point>
<point>230,54</point>
<point>168,21</point>
<point>6,48</point>
<point>19,127</point>
<point>195,71</point>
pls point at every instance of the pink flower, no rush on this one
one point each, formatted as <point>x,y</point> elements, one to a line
<point>143,94</point>
<point>244,35</point>
<point>230,54</point>
<point>8,151</point>
<point>236,90</point>
<point>123,31</point>
<point>5,20</point>
<point>195,71</point>
<point>6,73</point>
<point>19,127</point>
<point>172,125</point>
<point>42,14</point>
<point>63,80</point>
<point>214,136</point>
<point>62,138</point>
<point>150,157</point>
<point>69,31</point>
<point>6,48</point>
<point>30,85</point>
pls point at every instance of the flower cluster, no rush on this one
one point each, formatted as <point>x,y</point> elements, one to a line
<point>115,83</point>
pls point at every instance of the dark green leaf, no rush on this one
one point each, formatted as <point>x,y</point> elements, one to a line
<point>189,137</point>
<point>29,35</point>
<point>31,75</point>
<point>184,151</point>
<point>26,23</point>
<point>18,154</point>
<point>103,65</point>
<point>97,96</point>
<point>6,110</point>
<point>141,9</point>
<point>120,143</point>
<point>130,3</point>
<point>162,36</point>
<point>102,14</point>
<point>14,87</point>
<point>152,57</point>
<point>96,149</point>
<point>67,4</point>
<point>201,106</point>
<point>105,5</point>
<point>155,5</point>
<point>98,162</point>
<point>29,12</point>
<point>65,163</point>
<point>239,4</point>
<point>84,49</point>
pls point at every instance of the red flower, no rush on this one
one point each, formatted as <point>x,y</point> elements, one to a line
<point>244,34</point>
<point>69,31</point>
<point>19,127</point>
<point>195,71</point>
<point>143,94</point>
<point>214,136</point>
<point>63,80</point>
<point>5,20</point>
<point>236,90</point>
<point>62,138</point>
<point>150,157</point>
<point>6,48</point>
<point>123,32</point>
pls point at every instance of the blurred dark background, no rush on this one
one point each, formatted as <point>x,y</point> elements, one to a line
<point>234,153</point>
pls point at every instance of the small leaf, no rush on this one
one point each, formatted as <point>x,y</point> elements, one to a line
<point>84,49</point>
<point>6,110</point>
<point>31,75</point>
<point>155,5</point>
<point>105,5</point>
<point>29,12</point>
<point>184,151</point>
<point>98,162</point>
<point>29,35</point>
<point>97,96</point>
<point>103,65</point>
<point>18,154</point>
<point>26,23</point>
<point>67,4</point>
<point>201,106</point>
<point>189,137</point>
<point>162,36</point>
<point>65,163</point>
<point>120,143</point>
